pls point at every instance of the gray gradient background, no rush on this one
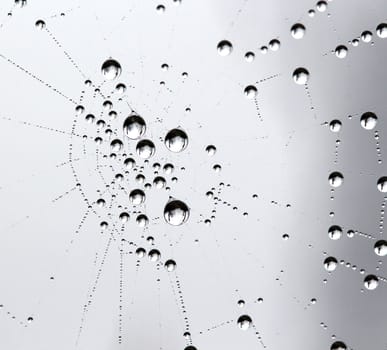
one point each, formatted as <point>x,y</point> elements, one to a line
<point>286,158</point>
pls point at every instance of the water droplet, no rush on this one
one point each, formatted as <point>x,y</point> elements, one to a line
<point>21,3</point>
<point>142,220</point>
<point>159,182</point>
<point>137,197</point>
<point>154,255</point>
<point>381,30</point>
<point>251,92</point>
<point>368,120</point>
<point>134,127</point>
<point>330,264</point>
<point>371,282</point>
<point>211,150</point>
<point>297,31</point>
<point>336,179</point>
<point>111,69</point>
<point>366,36</point>
<point>40,24</point>
<point>244,322</point>
<point>140,252</point>
<point>321,6</point>
<point>124,217</point>
<point>380,248</point>
<point>170,265</point>
<point>116,145</point>
<point>176,140</point>
<point>335,232</point>
<point>145,149</point>
<point>249,56</point>
<point>341,51</point>
<point>274,45</point>
<point>160,9</point>
<point>338,345</point>
<point>335,125</point>
<point>224,48</point>
<point>176,212</point>
<point>301,76</point>
<point>382,184</point>
<point>241,303</point>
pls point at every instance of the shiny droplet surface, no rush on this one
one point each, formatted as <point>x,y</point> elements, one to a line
<point>137,197</point>
<point>368,120</point>
<point>336,179</point>
<point>176,212</point>
<point>176,140</point>
<point>134,127</point>
<point>371,282</point>
<point>381,30</point>
<point>224,48</point>
<point>251,92</point>
<point>244,322</point>
<point>301,76</point>
<point>297,31</point>
<point>380,248</point>
<point>382,184</point>
<point>145,149</point>
<point>330,264</point>
<point>111,69</point>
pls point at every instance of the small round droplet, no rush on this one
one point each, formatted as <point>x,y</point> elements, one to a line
<point>371,282</point>
<point>159,182</point>
<point>366,36</point>
<point>336,179</point>
<point>368,120</point>
<point>335,232</point>
<point>297,31</point>
<point>116,145</point>
<point>341,51</point>
<point>134,127</point>
<point>145,149</point>
<point>111,69</point>
<point>330,264</point>
<point>301,76</point>
<point>124,217</point>
<point>251,92</point>
<point>224,48</point>
<point>274,45</point>
<point>211,150</point>
<point>170,265</point>
<point>249,56</point>
<point>382,184</point>
<point>321,6</point>
<point>244,322</point>
<point>120,88</point>
<point>380,248</point>
<point>176,212</point>
<point>176,140</point>
<point>140,252</point>
<point>381,30</point>
<point>137,197</point>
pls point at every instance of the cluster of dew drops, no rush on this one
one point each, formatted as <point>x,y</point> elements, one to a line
<point>176,212</point>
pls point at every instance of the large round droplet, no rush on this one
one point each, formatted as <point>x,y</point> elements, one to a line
<point>297,31</point>
<point>137,197</point>
<point>40,24</point>
<point>176,212</point>
<point>335,125</point>
<point>111,69</point>
<point>176,140</point>
<point>154,255</point>
<point>338,345</point>
<point>371,282</point>
<point>244,322</point>
<point>336,179</point>
<point>380,248</point>
<point>368,120</point>
<point>170,265</point>
<point>381,30</point>
<point>330,264</point>
<point>341,51</point>
<point>251,92</point>
<point>134,127</point>
<point>145,149</point>
<point>335,232</point>
<point>274,45</point>
<point>382,184</point>
<point>301,76</point>
<point>224,48</point>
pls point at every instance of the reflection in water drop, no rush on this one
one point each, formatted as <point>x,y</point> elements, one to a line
<point>145,149</point>
<point>134,127</point>
<point>335,232</point>
<point>137,197</point>
<point>368,120</point>
<point>251,92</point>
<point>381,248</point>
<point>381,30</point>
<point>244,322</point>
<point>297,31</point>
<point>224,48</point>
<point>40,24</point>
<point>170,265</point>
<point>116,145</point>
<point>176,212</point>
<point>336,179</point>
<point>154,255</point>
<point>211,150</point>
<point>338,345</point>
<point>176,140</point>
<point>301,76</point>
<point>111,69</point>
<point>371,282</point>
<point>335,125</point>
<point>382,184</point>
<point>330,264</point>
<point>341,51</point>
